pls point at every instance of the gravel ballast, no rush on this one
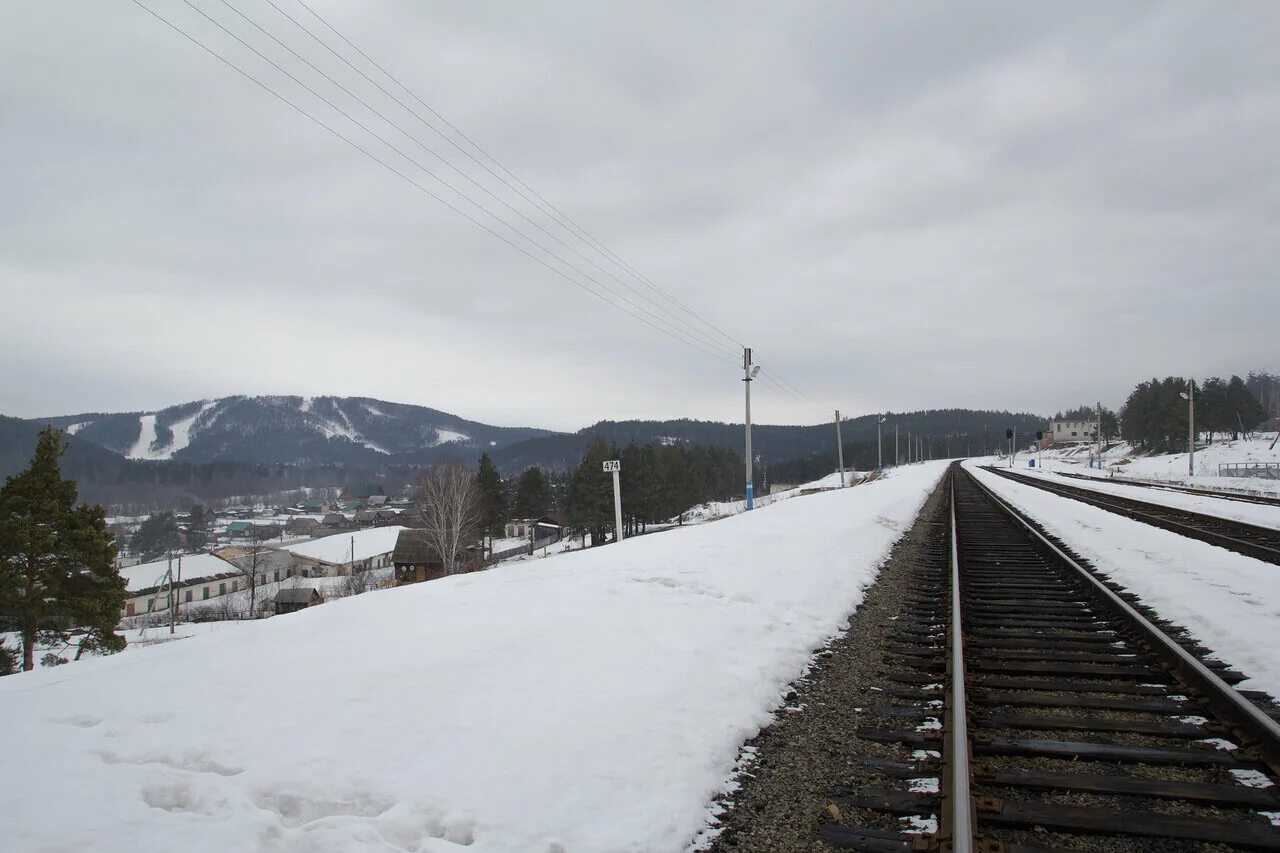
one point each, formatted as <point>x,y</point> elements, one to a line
<point>792,768</point>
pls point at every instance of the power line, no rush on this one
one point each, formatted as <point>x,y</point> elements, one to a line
<point>434,176</point>
<point>669,317</point>
<point>358,147</point>
<point>533,197</point>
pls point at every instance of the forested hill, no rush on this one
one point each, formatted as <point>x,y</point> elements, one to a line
<point>771,443</point>
<point>265,446</point>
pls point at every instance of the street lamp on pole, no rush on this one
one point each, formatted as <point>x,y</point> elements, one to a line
<point>749,373</point>
<point>879,444</point>
<point>1190,396</point>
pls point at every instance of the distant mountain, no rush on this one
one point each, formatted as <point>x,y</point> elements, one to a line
<point>291,430</point>
<point>210,450</point>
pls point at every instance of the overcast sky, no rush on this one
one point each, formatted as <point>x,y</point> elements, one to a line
<point>899,205</point>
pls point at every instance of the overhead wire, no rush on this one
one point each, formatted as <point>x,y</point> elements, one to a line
<point>532,196</point>
<point>389,167</point>
<point>668,315</point>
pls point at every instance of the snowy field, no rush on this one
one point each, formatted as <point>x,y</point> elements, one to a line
<point>1230,602</point>
<point>1122,461</point>
<point>1265,516</point>
<point>593,701</point>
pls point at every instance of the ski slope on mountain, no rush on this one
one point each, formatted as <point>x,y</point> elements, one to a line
<point>590,701</point>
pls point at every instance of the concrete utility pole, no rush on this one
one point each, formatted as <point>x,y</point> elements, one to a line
<point>897,457</point>
<point>749,373</point>
<point>615,466</point>
<point>879,445</point>
<point>1099,435</point>
<point>910,446</point>
<point>1190,397</point>
<point>839,449</point>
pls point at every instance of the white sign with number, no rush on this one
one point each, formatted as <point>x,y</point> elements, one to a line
<point>612,465</point>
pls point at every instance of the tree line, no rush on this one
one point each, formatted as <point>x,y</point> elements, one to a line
<point>1155,416</point>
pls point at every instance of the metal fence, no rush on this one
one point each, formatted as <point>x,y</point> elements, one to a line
<point>1257,470</point>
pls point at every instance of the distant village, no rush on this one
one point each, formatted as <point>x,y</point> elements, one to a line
<point>268,561</point>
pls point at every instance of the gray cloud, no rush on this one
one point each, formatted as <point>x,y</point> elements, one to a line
<point>1001,204</point>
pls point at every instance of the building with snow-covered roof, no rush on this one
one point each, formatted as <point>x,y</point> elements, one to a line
<point>342,553</point>
<point>196,578</point>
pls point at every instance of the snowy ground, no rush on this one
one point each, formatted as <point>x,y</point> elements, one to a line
<point>1265,516</point>
<point>1122,461</point>
<point>592,701</point>
<point>1230,602</point>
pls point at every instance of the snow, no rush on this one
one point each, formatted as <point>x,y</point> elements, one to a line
<point>1230,602</point>
<point>146,575</point>
<point>1122,460</point>
<point>591,701</point>
<point>334,549</point>
<point>144,447</point>
<point>146,437</point>
<point>182,431</point>
<point>1260,514</point>
<point>72,429</point>
<point>448,436</point>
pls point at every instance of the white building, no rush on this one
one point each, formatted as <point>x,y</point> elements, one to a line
<point>197,578</point>
<point>1066,432</point>
<point>340,554</point>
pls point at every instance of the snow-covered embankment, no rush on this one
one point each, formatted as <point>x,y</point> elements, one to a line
<point>591,701</point>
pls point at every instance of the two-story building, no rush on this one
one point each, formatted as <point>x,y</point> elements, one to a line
<point>1068,432</point>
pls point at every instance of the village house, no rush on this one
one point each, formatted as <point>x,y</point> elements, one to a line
<point>537,529</point>
<point>298,598</point>
<point>270,565</point>
<point>415,558</point>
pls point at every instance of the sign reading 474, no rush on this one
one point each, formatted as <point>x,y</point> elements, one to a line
<point>612,465</point>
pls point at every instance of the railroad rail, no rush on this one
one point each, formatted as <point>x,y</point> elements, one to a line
<point>1249,539</point>
<point>1263,500</point>
<point>1069,719</point>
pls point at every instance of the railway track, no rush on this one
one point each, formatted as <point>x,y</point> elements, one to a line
<point>1047,712</point>
<point>1171,487</point>
<point>1249,539</point>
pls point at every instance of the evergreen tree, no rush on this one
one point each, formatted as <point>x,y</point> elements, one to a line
<point>590,494</point>
<point>533,494</point>
<point>8,660</point>
<point>1246,410</point>
<point>57,560</point>
<point>157,536</point>
<point>197,529</point>
<point>493,499</point>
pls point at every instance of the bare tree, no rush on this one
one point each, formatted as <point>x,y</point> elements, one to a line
<point>448,507</point>
<point>253,562</point>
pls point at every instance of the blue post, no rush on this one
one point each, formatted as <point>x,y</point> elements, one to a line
<point>750,495</point>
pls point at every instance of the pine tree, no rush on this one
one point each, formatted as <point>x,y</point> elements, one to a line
<point>493,499</point>
<point>590,495</point>
<point>57,560</point>
<point>197,529</point>
<point>157,536</point>
<point>533,494</point>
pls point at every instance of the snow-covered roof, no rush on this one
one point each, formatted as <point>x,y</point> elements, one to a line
<point>146,575</point>
<point>337,548</point>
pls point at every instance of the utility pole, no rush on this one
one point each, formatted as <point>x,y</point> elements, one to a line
<point>897,456</point>
<point>839,449</point>
<point>879,445</point>
<point>749,373</point>
<point>1099,435</point>
<point>1191,427</point>
<point>173,599</point>
<point>910,446</point>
